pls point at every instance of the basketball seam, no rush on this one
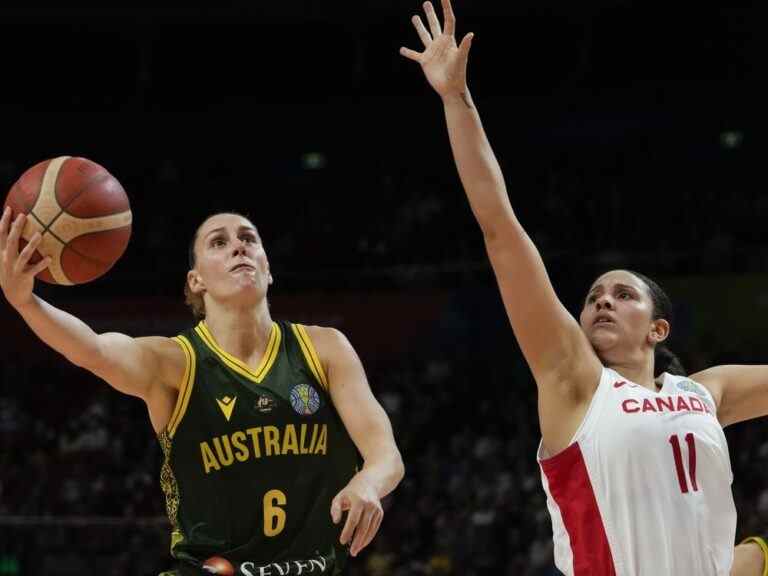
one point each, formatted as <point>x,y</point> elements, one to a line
<point>46,229</point>
<point>76,195</point>
<point>85,256</point>
<point>99,177</point>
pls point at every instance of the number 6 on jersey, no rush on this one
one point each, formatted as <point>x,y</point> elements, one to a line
<point>274,515</point>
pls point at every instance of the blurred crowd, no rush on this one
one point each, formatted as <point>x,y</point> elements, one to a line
<point>464,417</point>
<point>616,152</point>
<point>461,400</point>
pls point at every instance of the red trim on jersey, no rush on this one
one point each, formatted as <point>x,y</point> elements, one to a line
<point>692,459</point>
<point>571,489</point>
<point>678,456</point>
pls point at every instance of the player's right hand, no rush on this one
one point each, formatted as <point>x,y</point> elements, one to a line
<point>444,64</point>
<point>17,275</point>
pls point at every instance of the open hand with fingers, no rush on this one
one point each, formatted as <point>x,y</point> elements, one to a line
<point>17,275</point>
<point>364,514</point>
<point>443,62</point>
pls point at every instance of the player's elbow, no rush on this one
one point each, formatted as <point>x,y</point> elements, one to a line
<point>501,231</point>
<point>399,467</point>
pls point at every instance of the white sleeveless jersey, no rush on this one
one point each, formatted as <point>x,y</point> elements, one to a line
<point>644,488</point>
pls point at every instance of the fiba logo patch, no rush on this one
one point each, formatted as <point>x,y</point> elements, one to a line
<point>305,399</point>
<point>691,386</point>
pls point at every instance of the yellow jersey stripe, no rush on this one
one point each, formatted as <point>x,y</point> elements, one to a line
<point>187,383</point>
<point>183,384</point>
<point>237,365</point>
<point>273,347</point>
<point>310,354</point>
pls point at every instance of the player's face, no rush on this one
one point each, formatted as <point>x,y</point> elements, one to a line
<point>230,259</point>
<point>617,316</point>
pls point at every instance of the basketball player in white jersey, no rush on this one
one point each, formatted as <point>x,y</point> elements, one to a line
<point>634,463</point>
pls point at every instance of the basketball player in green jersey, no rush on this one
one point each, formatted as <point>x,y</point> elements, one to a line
<point>262,423</point>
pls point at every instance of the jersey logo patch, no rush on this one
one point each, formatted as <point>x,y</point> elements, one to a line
<point>691,386</point>
<point>305,399</point>
<point>265,404</point>
<point>227,404</point>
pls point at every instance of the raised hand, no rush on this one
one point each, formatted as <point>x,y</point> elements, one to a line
<point>364,515</point>
<point>443,62</point>
<point>17,275</point>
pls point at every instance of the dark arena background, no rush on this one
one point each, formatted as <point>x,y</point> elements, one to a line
<point>628,135</point>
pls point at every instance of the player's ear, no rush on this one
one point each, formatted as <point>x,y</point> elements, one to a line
<point>659,331</point>
<point>269,274</point>
<point>195,281</point>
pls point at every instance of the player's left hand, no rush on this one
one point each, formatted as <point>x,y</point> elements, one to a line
<point>443,62</point>
<point>364,515</point>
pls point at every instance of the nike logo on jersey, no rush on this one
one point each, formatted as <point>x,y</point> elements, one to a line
<point>622,382</point>
<point>227,404</point>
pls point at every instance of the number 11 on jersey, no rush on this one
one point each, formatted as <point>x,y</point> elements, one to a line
<point>679,467</point>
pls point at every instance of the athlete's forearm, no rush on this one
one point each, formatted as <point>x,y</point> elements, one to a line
<point>478,167</point>
<point>62,331</point>
<point>384,470</point>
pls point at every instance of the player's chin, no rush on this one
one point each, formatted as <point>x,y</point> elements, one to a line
<point>603,341</point>
<point>246,280</point>
<point>250,290</point>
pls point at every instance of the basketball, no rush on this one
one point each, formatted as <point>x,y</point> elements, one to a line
<point>82,213</point>
<point>218,565</point>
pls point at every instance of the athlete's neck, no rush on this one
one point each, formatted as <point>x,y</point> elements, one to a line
<point>243,333</point>
<point>638,372</point>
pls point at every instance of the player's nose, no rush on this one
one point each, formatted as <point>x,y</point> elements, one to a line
<point>239,248</point>
<point>604,302</point>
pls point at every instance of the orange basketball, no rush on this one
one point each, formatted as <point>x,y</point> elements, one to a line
<point>82,213</point>
<point>218,565</point>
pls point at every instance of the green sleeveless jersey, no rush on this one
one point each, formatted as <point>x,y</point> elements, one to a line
<point>253,458</point>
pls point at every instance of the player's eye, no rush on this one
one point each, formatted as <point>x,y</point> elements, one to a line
<point>218,242</point>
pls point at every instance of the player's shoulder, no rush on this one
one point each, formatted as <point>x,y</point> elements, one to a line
<point>713,379</point>
<point>161,345</point>
<point>324,335</point>
<point>330,343</point>
<point>173,356</point>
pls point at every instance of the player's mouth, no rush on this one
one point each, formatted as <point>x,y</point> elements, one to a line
<point>603,320</point>
<point>242,266</point>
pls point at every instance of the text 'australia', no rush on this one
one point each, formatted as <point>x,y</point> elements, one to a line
<point>262,441</point>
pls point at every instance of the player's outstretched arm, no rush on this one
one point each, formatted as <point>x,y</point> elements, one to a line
<point>132,365</point>
<point>741,391</point>
<point>370,429</point>
<point>557,351</point>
